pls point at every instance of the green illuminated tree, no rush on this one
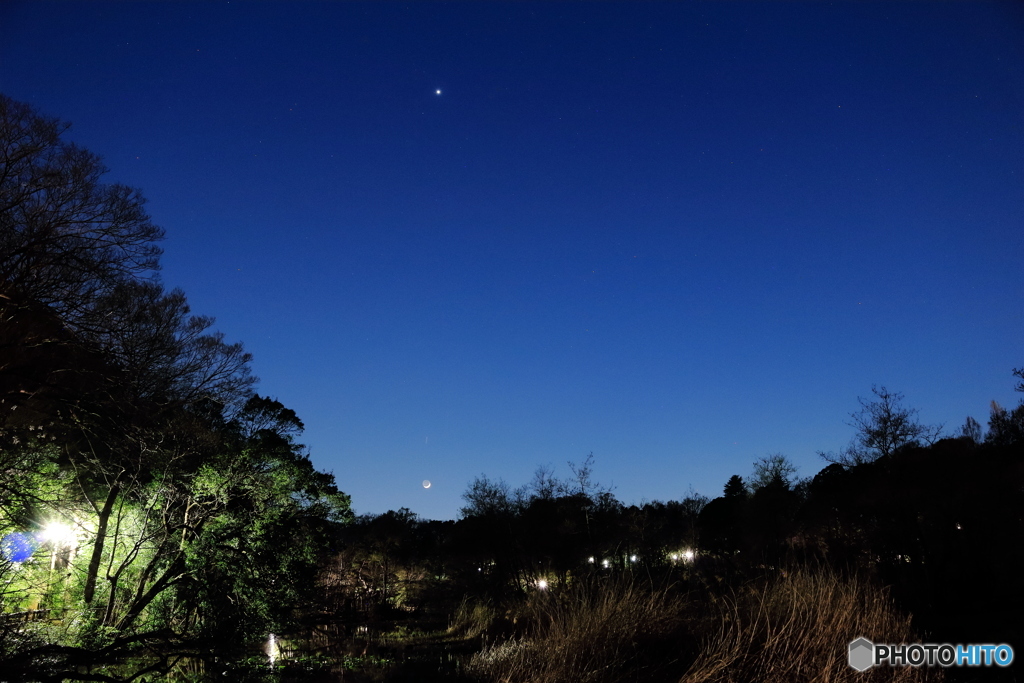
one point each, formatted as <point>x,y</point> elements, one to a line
<point>126,416</point>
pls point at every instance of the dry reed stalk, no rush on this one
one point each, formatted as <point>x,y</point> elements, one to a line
<point>797,630</point>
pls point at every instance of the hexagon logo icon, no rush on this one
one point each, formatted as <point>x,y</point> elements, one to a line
<point>862,654</point>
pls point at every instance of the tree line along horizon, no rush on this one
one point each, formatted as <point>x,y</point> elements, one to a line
<point>147,490</point>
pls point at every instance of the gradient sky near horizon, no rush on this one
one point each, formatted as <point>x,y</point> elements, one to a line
<point>470,238</point>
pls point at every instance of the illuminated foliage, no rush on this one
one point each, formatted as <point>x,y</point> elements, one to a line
<point>146,495</point>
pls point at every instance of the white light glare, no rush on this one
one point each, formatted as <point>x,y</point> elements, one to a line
<point>604,563</point>
<point>58,533</point>
<point>272,649</point>
<point>632,558</point>
<point>542,584</point>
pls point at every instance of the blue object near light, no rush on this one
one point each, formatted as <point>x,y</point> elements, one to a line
<point>18,546</point>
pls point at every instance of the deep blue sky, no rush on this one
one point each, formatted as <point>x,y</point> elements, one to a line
<point>679,236</point>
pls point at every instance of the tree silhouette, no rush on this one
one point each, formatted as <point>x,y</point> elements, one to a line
<point>735,487</point>
<point>1005,427</point>
<point>772,470</point>
<point>971,430</point>
<point>65,238</point>
<point>882,426</point>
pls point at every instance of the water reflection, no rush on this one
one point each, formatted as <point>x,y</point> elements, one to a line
<point>321,653</point>
<point>272,650</point>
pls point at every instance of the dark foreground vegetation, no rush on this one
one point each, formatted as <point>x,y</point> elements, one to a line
<point>159,520</point>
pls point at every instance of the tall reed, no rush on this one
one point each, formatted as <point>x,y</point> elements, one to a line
<point>788,629</point>
<point>796,628</point>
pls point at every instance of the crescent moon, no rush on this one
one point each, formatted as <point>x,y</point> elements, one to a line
<point>426,483</point>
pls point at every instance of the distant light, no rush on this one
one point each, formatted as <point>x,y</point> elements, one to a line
<point>604,563</point>
<point>437,92</point>
<point>590,559</point>
<point>632,558</point>
<point>542,584</point>
<point>688,555</point>
<point>674,556</point>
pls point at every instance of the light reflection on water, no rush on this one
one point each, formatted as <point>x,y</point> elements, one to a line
<point>329,640</point>
<point>272,649</point>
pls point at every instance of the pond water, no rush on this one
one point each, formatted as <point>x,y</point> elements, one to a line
<point>322,653</point>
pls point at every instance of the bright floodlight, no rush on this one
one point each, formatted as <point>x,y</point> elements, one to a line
<point>542,584</point>
<point>688,555</point>
<point>604,563</point>
<point>632,558</point>
<point>58,533</point>
<point>590,560</point>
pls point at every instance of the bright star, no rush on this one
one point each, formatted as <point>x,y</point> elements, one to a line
<point>437,92</point>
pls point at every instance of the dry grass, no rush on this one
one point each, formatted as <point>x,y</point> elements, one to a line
<point>796,629</point>
<point>790,629</point>
<point>600,632</point>
<point>472,619</point>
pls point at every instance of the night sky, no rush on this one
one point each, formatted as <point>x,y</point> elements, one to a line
<point>680,236</point>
